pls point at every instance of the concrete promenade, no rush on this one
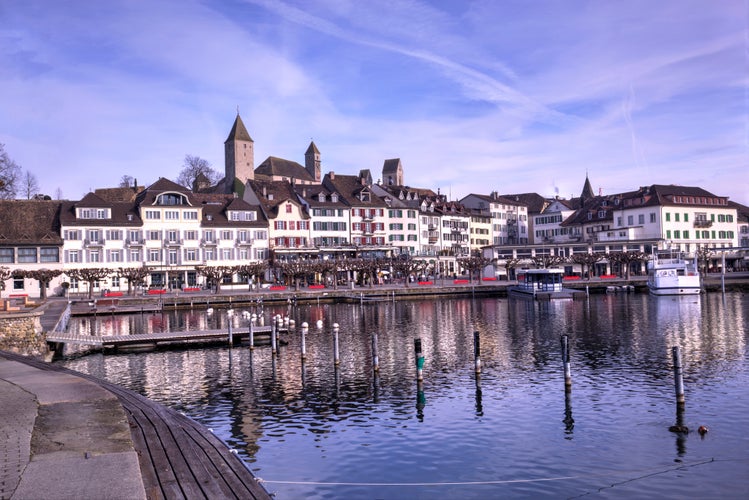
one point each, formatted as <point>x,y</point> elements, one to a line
<point>63,437</point>
<point>68,436</point>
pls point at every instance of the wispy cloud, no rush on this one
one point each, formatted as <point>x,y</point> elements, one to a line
<point>473,96</point>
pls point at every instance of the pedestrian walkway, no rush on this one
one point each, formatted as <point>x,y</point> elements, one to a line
<point>63,437</point>
<point>67,435</point>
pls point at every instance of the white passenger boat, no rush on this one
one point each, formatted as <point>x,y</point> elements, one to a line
<point>673,274</point>
<point>543,284</point>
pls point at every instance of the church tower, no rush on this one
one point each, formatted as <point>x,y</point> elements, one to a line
<point>312,162</point>
<point>587,193</point>
<point>239,154</point>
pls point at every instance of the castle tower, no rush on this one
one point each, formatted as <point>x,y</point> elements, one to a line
<point>312,161</point>
<point>392,172</point>
<point>239,154</point>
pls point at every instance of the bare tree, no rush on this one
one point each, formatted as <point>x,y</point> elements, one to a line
<point>43,276</point>
<point>704,254</point>
<point>90,275</point>
<point>192,168</point>
<point>134,275</point>
<point>29,185</point>
<point>215,274</point>
<point>10,175</point>
<point>5,274</point>
<point>126,181</point>
<point>253,270</point>
<point>624,259</point>
<point>408,266</point>
<point>474,264</point>
<point>547,261</point>
<point>586,259</point>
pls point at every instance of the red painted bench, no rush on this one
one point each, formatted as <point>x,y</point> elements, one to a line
<point>156,291</point>
<point>317,286</point>
<point>460,282</point>
<point>489,279</point>
<point>608,276</point>
<point>192,289</point>
<point>571,278</point>
<point>18,295</point>
<point>113,294</point>
<point>278,287</point>
<point>426,283</point>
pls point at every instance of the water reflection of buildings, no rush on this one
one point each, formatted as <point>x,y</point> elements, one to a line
<point>257,393</point>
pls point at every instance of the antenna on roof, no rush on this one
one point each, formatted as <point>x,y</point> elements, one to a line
<point>237,109</point>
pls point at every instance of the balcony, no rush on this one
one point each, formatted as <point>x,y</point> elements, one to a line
<point>173,243</point>
<point>703,223</point>
<point>88,243</point>
<point>135,242</point>
<point>243,243</point>
<point>208,242</point>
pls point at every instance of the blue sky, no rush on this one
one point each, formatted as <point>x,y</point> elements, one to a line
<point>472,96</point>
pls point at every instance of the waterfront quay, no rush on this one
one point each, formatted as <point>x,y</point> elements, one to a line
<point>429,289</point>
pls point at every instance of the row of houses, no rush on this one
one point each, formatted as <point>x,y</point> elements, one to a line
<point>283,210</point>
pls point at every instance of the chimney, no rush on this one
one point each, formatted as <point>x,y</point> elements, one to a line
<point>331,174</point>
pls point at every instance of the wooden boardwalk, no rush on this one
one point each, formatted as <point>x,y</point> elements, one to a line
<point>260,334</point>
<point>178,457</point>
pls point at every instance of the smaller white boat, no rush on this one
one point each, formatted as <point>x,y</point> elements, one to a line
<point>672,274</point>
<point>542,284</point>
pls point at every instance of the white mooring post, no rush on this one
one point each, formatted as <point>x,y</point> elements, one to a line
<point>477,352</point>
<point>336,355</point>
<point>375,356</point>
<point>566,361</point>
<point>305,329</point>
<point>678,376</point>
<point>419,360</point>
<point>229,314</point>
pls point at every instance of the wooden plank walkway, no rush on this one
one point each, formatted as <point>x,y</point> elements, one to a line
<point>179,458</point>
<point>180,337</point>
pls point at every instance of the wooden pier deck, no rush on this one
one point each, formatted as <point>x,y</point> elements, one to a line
<point>261,334</point>
<point>178,457</point>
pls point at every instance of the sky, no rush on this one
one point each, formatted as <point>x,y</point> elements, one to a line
<point>512,96</point>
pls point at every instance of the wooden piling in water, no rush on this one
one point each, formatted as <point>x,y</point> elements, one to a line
<point>678,376</point>
<point>477,352</point>
<point>305,329</point>
<point>336,355</point>
<point>566,361</point>
<point>273,342</point>
<point>419,360</point>
<point>375,356</point>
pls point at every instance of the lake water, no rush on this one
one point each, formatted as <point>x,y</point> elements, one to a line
<point>314,430</point>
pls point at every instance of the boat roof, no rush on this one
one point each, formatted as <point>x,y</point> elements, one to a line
<point>541,271</point>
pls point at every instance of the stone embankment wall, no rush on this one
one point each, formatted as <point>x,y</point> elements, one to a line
<point>22,333</point>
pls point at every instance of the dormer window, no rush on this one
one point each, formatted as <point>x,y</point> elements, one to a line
<point>364,196</point>
<point>601,214</point>
<point>321,197</point>
<point>94,213</point>
<point>334,198</point>
<point>171,199</point>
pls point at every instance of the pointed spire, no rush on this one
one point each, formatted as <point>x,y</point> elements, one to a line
<point>238,131</point>
<point>587,193</point>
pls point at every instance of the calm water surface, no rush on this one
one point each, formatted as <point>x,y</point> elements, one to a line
<point>311,430</point>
